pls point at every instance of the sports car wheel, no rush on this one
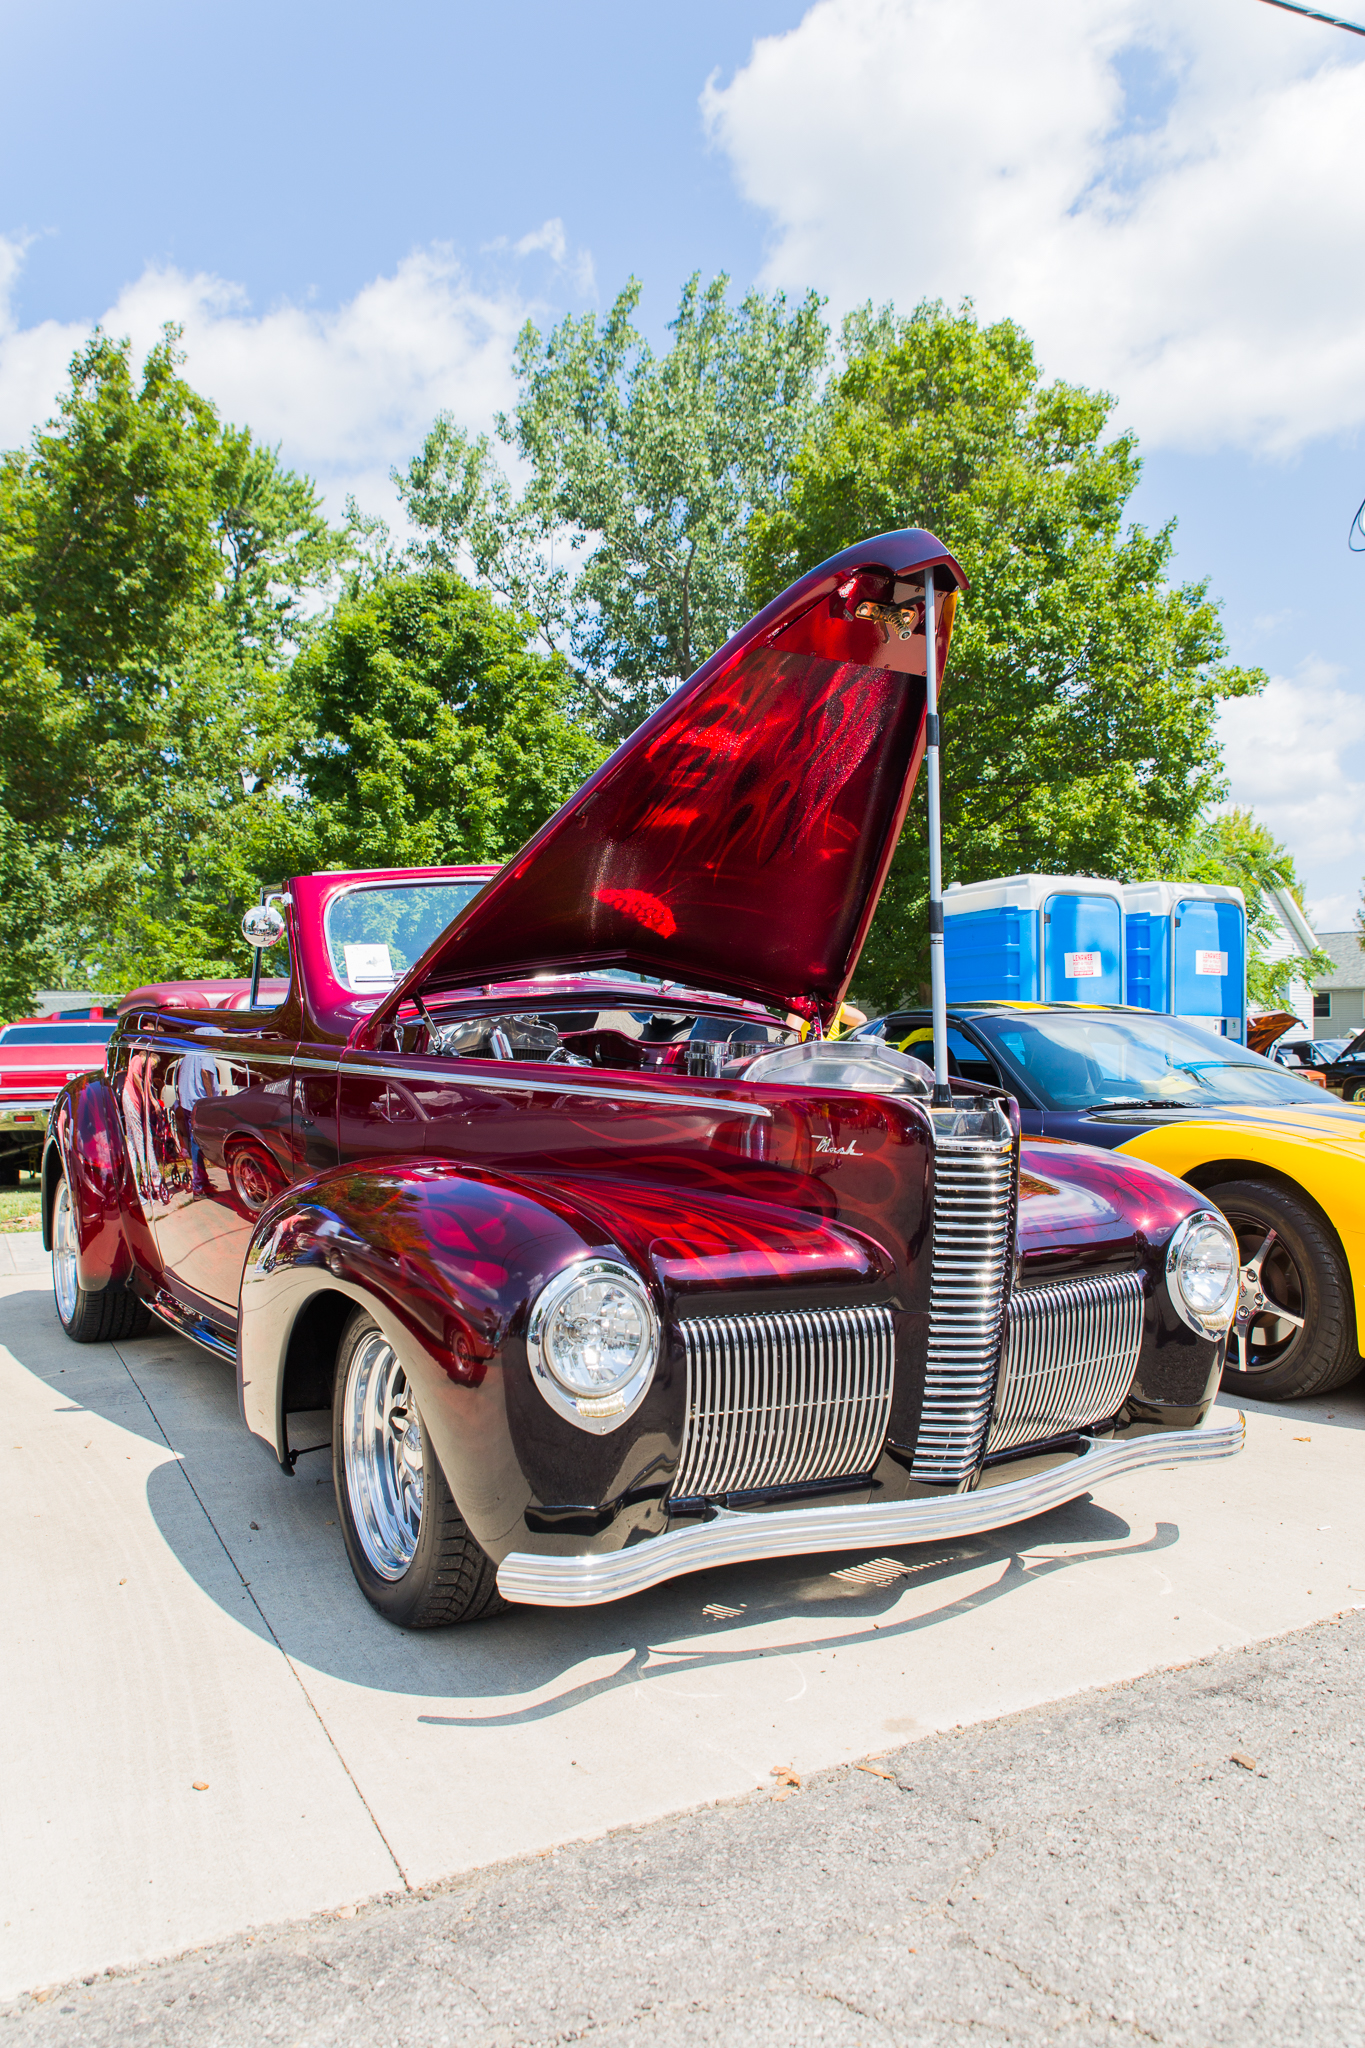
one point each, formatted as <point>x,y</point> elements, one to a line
<point>1354,1091</point>
<point>409,1546</point>
<point>1295,1327</point>
<point>87,1318</point>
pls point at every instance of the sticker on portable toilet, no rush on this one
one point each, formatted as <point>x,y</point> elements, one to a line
<point>1211,963</point>
<point>369,967</point>
<point>1083,966</point>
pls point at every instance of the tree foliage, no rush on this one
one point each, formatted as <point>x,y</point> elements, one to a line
<point>1079,706</point>
<point>174,732</point>
<point>644,470</point>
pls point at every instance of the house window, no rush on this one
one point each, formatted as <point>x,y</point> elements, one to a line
<point>1322,1006</point>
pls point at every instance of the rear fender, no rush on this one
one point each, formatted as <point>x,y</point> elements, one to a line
<point>85,1142</point>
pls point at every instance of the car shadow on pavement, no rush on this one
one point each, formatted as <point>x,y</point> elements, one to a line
<point>281,1539</point>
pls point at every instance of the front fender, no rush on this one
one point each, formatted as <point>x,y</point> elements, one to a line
<point>447,1262</point>
<point>85,1143</point>
<point>1329,1166</point>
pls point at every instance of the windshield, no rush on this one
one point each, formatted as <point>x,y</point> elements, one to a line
<point>1089,1061</point>
<point>57,1034</point>
<point>375,935</point>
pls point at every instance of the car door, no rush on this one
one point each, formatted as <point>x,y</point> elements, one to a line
<point>207,1110</point>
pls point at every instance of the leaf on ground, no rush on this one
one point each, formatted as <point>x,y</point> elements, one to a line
<point>200,1785</point>
<point>785,1775</point>
<point>1239,1756</point>
<point>876,1771</point>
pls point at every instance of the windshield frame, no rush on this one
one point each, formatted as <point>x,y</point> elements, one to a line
<point>343,971</point>
<point>1289,1092</point>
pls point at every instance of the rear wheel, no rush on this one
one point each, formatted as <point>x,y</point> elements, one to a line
<point>1295,1327</point>
<point>88,1318</point>
<point>1354,1091</point>
<point>409,1545</point>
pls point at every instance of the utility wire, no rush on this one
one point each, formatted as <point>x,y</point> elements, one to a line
<point>1354,28</point>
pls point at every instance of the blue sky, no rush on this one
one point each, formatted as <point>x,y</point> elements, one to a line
<point>352,210</point>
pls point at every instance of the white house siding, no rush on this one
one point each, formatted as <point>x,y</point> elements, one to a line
<point>1344,988</point>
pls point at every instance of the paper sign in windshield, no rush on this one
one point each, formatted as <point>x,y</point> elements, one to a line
<point>1083,967</point>
<point>369,967</point>
<point>1211,963</point>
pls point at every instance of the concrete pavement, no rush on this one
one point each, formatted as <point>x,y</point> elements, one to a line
<point>177,1614</point>
<point>1177,1860</point>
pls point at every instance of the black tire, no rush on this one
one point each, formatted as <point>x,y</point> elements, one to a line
<point>1354,1091</point>
<point>114,1312</point>
<point>1303,1271</point>
<point>449,1577</point>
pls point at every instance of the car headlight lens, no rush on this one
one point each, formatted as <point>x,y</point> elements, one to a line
<point>593,1343</point>
<point>1203,1268</point>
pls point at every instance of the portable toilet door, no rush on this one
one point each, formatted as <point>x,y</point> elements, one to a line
<point>1208,946</point>
<point>1082,942</point>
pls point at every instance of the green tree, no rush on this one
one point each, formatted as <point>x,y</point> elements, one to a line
<point>1080,702</point>
<point>644,470</point>
<point>152,567</point>
<point>437,732</point>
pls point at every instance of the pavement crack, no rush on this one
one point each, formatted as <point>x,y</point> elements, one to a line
<point>1081,2007</point>
<point>264,1618</point>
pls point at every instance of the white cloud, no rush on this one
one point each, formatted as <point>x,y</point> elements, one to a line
<point>1296,756</point>
<point>1195,248</point>
<point>348,391</point>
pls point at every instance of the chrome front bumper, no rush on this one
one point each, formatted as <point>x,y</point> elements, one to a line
<point>728,1537</point>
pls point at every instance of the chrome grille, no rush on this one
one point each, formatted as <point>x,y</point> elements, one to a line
<point>973,1248</point>
<point>778,1399</point>
<point>1070,1354</point>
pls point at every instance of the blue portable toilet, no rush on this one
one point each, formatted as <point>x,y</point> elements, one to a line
<point>1034,939</point>
<point>1186,947</point>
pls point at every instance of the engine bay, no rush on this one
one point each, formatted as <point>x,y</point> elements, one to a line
<point>704,1044</point>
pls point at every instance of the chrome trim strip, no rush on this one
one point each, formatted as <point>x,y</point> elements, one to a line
<point>1071,1350</point>
<point>186,1322</point>
<point>13,1109</point>
<point>728,1537</point>
<point>784,1397</point>
<point>724,1105</point>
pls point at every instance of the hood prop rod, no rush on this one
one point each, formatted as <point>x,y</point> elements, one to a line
<point>938,988</point>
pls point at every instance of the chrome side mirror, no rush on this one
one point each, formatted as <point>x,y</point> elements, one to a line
<point>263,925</point>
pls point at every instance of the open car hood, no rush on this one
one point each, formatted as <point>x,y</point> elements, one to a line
<point>739,839</point>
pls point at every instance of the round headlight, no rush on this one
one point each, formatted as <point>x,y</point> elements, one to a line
<point>593,1343</point>
<point>1203,1268</point>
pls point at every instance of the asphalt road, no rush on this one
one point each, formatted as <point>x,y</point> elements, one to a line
<point>1174,1860</point>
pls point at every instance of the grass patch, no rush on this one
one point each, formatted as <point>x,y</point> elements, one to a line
<point>21,1207</point>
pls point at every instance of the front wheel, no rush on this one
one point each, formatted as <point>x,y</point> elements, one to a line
<point>88,1318</point>
<point>1295,1328</point>
<point>409,1545</point>
<point>1354,1091</point>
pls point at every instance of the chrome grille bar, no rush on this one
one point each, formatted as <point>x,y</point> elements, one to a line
<point>778,1399</point>
<point>973,1247</point>
<point>1070,1354</point>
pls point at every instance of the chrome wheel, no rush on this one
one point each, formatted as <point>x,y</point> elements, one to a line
<point>64,1282</point>
<point>1269,1301</point>
<point>383,1455</point>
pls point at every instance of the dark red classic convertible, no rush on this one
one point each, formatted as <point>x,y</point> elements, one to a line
<point>608,1264</point>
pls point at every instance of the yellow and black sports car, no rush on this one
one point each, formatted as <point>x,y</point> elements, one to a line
<point>1283,1160</point>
